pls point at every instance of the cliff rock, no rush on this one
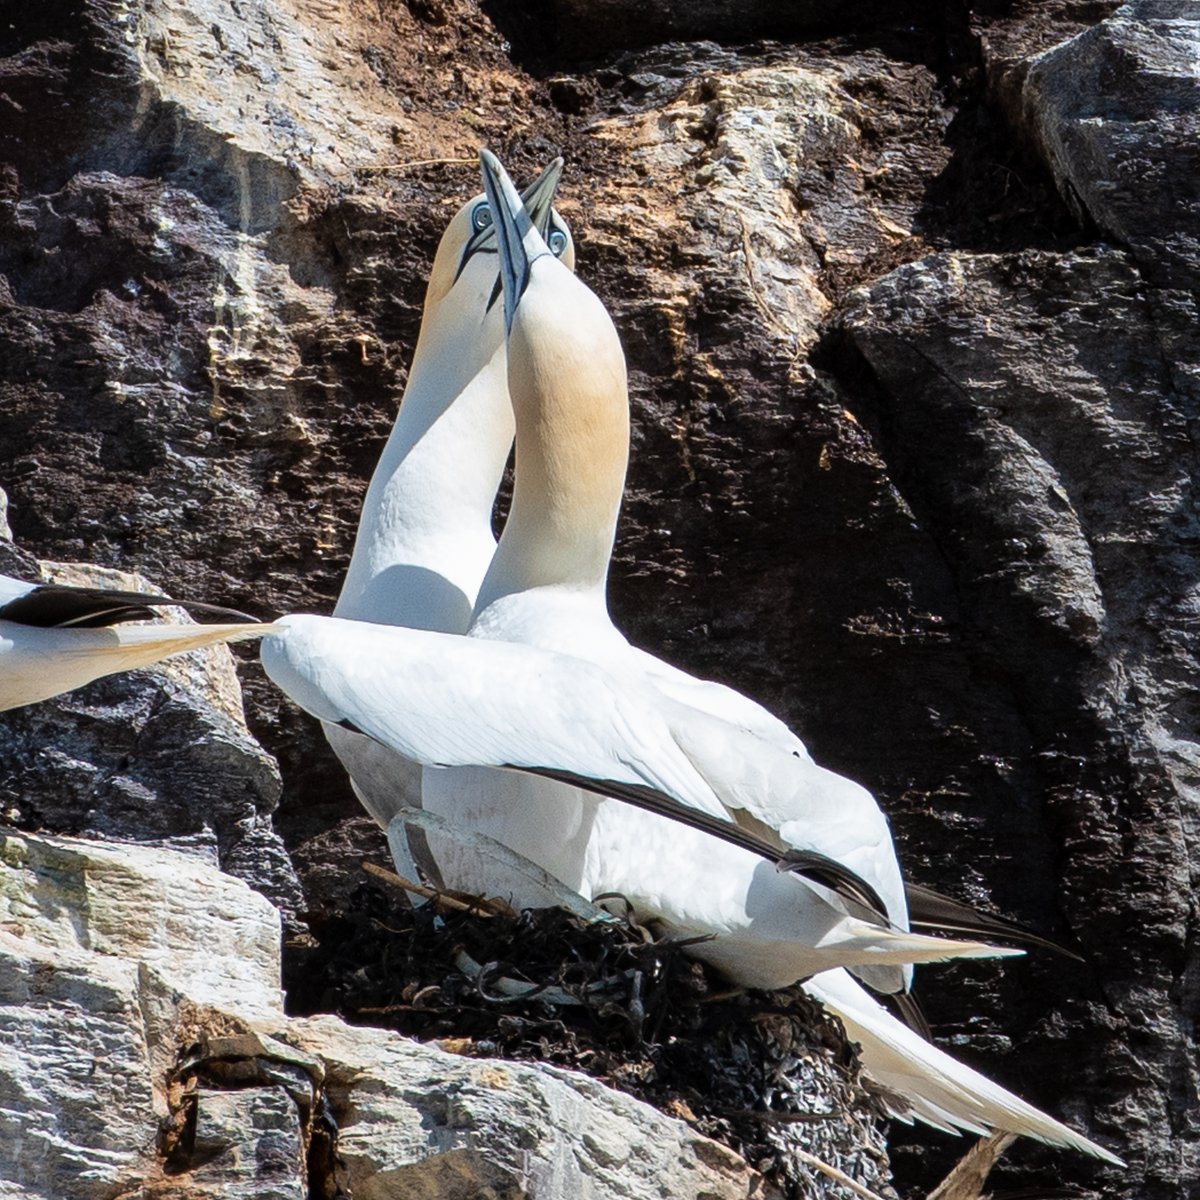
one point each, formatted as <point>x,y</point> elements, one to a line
<point>908,296</point>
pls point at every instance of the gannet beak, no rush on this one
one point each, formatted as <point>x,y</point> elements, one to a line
<point>538,199</point>
<point>517,237</point>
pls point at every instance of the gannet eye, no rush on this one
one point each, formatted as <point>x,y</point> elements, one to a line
<point>481,218</point>
<point>557,241</point>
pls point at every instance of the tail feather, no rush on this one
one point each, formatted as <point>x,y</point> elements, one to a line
<point>38,663</point>
<point>900,947</point>
<point>934,1087</point>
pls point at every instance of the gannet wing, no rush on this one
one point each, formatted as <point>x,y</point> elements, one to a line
<point>47,605</point>
<point>444,700</point>
<point>781,795</point>
<point>925,1082</point>
<point>817,797</point>
<point>859,896</point>
<point>928,909</point>
<point>717,700</point>
<point>37,663</point>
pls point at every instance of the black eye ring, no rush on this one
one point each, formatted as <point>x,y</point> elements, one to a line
<point>557,241</point>
<point>481,218</point>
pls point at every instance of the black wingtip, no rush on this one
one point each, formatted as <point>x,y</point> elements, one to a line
<point>809,865</point>
<point>911,1013</point>
<point>59,606</point>
<point>928,909</point>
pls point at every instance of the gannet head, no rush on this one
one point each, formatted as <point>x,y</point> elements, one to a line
<point>466,265</point>
<point>462,327</point>
<point>567,383</point>
<point>560,332</point>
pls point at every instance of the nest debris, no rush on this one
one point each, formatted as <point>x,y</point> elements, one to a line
<point>765,1074</point>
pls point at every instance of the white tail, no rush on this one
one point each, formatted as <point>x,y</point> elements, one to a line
<point>898,947</point>
<point>37,663</point>
<point>934,1087</point>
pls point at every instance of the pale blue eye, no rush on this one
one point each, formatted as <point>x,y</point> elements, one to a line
<point>557,241</point>
<point>481,218</point>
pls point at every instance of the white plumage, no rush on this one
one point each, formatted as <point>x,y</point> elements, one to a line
<point>55,638</point>
<point>444,700</point>
<point>424,537</point>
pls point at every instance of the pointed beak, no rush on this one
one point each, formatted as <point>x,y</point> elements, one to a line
<point>538,199</point>
<point>517,237</point>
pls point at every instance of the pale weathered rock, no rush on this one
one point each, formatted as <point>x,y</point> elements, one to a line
<point>77,1109</point>
<point>418,1122</point>
<point>199,929</point>
<point>250,1144</point>
<point>114,959</point>
<point>133,983</point>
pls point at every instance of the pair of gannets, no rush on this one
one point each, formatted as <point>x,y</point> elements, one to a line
<point>545,683</point>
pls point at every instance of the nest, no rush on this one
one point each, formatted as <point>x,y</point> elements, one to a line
<point>763,1073</point>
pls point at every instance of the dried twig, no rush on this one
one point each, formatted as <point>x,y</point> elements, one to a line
<point>421,162</point>
<point>776,1118</point>
<point>477,904</point>
<point>966,1181</point>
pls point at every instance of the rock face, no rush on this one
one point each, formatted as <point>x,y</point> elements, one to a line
<point>112,954</point>
<point>159,753</point>
<point>145,1052</point>
<point>1063,497</point>
<point>911,323</point>
<point>426,1123</point>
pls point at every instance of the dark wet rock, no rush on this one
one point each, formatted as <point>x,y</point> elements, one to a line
<point>1115,113</point>
<point>1032,421</point>
<point>585,28</point>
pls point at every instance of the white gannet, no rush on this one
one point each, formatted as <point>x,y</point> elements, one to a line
<point>546,587</point>
<point>447,700</point>
<point>54,638</point>
<point>424,537</point>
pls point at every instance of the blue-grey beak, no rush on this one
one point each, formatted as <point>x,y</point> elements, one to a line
<point>517,236</point>
<point>538,199</point>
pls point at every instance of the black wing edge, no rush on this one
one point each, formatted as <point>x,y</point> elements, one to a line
<point>56,605</point>
<point>928,909</point>
<point>814,867</point>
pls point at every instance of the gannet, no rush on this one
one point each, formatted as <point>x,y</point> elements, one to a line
<point>54,638</point>
<point>444,700</point>
<point>424,537</point>
<point>546,587</point>
<point>777,927</point>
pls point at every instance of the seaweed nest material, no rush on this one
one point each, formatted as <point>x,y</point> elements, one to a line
<point>762,1073</point>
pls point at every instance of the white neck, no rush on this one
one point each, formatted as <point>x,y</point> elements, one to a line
<point>425,538</point>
